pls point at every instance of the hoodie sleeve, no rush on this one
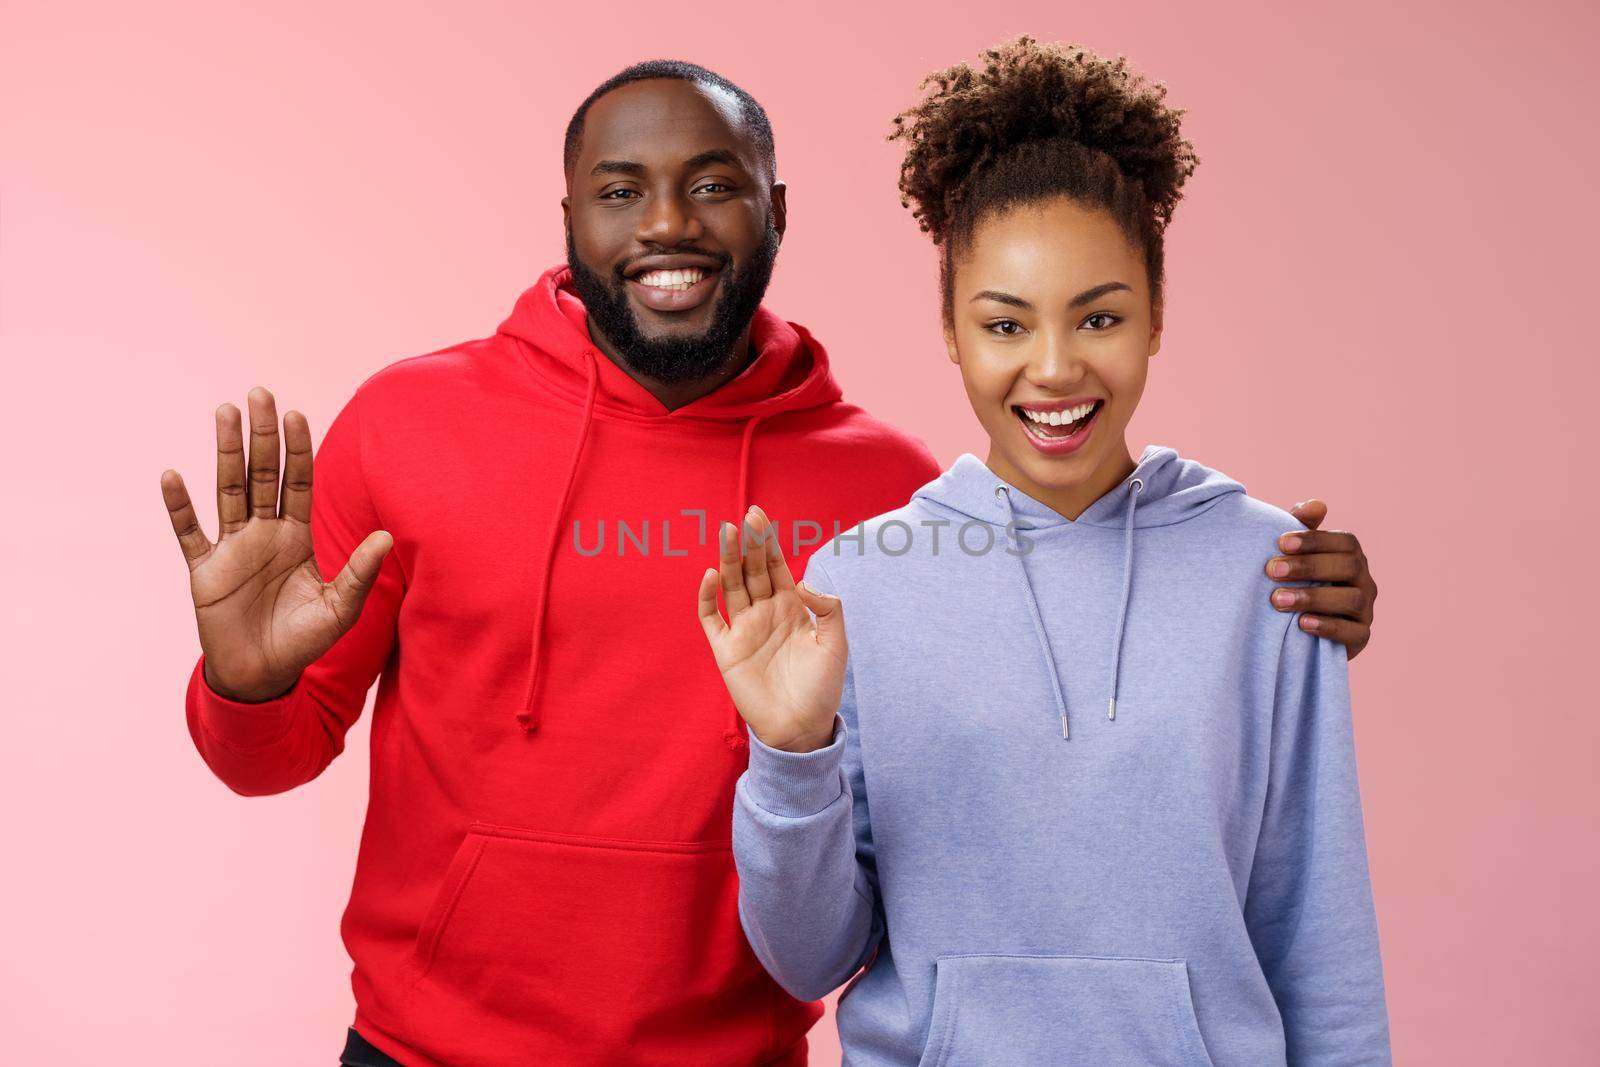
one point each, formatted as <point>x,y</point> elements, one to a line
<point>275,745</point>
<point>808,885</point>
<point>1309,905</point>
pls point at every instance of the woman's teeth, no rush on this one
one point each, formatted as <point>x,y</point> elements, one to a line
<point>672,279</point>
<point>1058,424</point>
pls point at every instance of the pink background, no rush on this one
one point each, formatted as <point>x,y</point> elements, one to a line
<point>1379,294</point>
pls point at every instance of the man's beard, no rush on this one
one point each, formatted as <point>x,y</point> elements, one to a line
<point>677,359</point>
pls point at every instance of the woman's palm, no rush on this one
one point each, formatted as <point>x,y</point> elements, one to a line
<point>784,673</point>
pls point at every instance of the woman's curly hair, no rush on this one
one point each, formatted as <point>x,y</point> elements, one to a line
<point>1040,121</point>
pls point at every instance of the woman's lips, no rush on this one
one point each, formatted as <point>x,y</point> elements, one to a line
<point>1060,446</point>
<point>657,298</point>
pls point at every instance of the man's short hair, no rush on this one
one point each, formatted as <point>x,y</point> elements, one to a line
<point>755,118</point>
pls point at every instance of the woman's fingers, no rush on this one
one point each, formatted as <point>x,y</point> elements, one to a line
<point>829,611</point>
<point>778,572</point>
<point>757,583</point>
<point>711,620</point>
<point>731,569</point>
<point>263,454</point>
<point>233,506</point>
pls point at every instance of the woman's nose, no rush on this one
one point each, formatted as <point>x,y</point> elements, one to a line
<point>1055,367</point>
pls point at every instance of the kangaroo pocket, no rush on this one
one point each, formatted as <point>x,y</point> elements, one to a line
<point>1062,1010</point>
<point>547,947</point>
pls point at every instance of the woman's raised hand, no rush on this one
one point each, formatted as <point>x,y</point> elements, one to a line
<point>263,610</point>
<point>785,673</point>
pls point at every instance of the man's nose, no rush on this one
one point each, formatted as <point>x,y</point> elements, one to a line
<point>668,219</point>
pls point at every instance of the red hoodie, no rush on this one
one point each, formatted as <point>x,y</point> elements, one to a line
<point>545,873</point>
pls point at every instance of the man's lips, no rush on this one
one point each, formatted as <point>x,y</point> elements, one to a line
<point>672,283</point>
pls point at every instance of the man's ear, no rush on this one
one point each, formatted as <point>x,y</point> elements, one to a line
<point>780,208</point>
<point>566,213</point>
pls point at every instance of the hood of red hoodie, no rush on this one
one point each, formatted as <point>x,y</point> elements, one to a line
<point>549,328</point>
<point>790,371</point>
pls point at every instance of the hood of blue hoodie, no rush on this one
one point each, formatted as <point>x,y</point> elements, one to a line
<point>1170,489</point>
<point>1163,489</point>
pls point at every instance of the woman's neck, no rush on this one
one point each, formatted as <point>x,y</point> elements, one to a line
<point>1070,501</point>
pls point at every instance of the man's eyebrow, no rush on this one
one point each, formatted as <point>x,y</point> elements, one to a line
<point>618,166</point>
<point>713,155</point>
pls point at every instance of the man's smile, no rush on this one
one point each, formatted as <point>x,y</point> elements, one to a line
<point>673,283</point>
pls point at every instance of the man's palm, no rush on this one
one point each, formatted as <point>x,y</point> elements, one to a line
<point>262,608</point>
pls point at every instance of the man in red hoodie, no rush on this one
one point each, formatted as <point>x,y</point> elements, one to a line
<point>514,523</point>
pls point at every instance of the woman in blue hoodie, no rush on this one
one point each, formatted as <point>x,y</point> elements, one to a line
<point>1075,794</point>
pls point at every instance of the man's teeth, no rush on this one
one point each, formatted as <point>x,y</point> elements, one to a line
<point>672,279</point>
<point>1059,418</point>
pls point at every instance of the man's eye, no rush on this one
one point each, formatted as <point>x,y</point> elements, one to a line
<point>1106,319</point>
<point>617,194</point>
<point>1005,327</point>
<point>713,187</point>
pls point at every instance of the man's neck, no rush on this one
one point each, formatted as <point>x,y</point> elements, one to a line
<point>676,394</point>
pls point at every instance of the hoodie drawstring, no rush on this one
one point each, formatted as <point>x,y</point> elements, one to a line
<point>526,717</point>
<point>734,735</point>
<point>1135,486</point>
<point>1003,492</point>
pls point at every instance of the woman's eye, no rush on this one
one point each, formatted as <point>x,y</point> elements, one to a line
<point>1105,318</point>
<point>1005,327</point>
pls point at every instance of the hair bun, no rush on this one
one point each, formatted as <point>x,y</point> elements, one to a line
<point>1027,92</point>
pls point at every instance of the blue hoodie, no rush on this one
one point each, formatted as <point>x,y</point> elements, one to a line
<point>1090,799</point>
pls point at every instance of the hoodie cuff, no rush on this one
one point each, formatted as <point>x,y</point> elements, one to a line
<point>236,724</point>
<point>797,784</point>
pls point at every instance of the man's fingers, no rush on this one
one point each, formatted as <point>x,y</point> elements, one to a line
<point>1346,600</point>
<point>1303,542</point>
<point>731,570</point>
<point>354,581</point>
<point>184,522</point>
<point>295,501</point>
<point>1310,512</point>
<point>263,473</point>
<point>711,620</point>
<point>1317,567</point>
<point>1352,635</point>
<point>756,580</point>
<point>233,504</point>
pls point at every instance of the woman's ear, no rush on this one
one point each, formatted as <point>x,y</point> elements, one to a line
<point>1156,322</point>
<point>950,344</point>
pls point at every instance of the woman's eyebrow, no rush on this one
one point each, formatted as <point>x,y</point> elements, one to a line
<point>1001,298</point>
<point>1011,300</point>
<point>1097,292</point>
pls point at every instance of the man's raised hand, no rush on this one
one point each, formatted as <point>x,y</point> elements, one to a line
<point>263,610</point>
